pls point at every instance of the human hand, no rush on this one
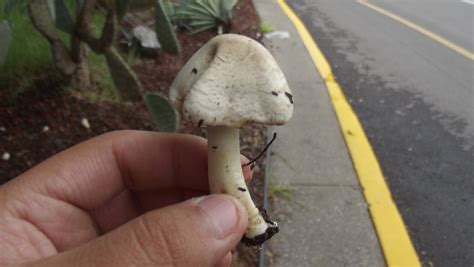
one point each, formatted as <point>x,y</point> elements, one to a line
<point>116,200</point>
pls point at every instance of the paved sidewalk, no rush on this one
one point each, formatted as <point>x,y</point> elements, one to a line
<point>326,222</point>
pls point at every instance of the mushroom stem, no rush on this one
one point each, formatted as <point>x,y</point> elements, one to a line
<point>226,177</point>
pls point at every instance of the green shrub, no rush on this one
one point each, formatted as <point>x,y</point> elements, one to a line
<point>49,37</point>
<point>28,52</point>
<point>265,27</point>
<point>164,28</point>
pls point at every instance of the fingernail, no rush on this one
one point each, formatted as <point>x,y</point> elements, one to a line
<point>222,212</point>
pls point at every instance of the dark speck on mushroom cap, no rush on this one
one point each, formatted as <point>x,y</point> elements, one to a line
<point>290,97</point>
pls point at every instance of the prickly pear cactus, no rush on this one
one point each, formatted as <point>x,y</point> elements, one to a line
<point>163,115</point>
<point>126,82</point>
<point>63,18</point>
<point>47,15</point>
<point>164,29</point>
<point>42,18</point>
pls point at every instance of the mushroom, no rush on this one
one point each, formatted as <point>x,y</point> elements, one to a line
<point>230,82</point>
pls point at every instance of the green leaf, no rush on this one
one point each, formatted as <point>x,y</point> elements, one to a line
<point>163,115</point>
<point>214,6</point>
<point>195,10</point>
<point>195,30</point>
<point>188,14</point>
<point>126,82</point>
<point>169,9</point>
<point>40,13</point>
<point>196,18</point>
<point>5,38</point>
<point>199,15</point>
<point>64,21</point>
<point>165,31</point>
<point>11,5</point>
<point>207,7</point>
<point>202,23</point>
<point>51,7</point>
<point>265,27</point>
<point>228,5</point>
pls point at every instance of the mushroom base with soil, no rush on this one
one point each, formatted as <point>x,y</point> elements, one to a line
<point>226,177</point>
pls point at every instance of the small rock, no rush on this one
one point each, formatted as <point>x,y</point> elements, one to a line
<point>6,156</point>
<point>277,35</point>
<point>147,39</point>
<point>85,123</point>
<point>400,112</point>
<point>45,129</point>
<point>268,253</point>
<point>410,106</point>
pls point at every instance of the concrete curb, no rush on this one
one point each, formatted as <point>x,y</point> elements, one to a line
<point>326,222</point>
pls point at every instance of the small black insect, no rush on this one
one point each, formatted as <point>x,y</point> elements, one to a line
<point>200,123</point>
<point>274,93</point>
<point>261,153</point>
<point>194,71</point>
<point>252,166</point>
<point>242,189</point>
<point>214,147</point>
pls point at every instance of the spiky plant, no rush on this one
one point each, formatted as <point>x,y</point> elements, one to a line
<point>201,15</point>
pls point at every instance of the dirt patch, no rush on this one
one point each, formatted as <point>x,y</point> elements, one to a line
<point>48,119</point>
<point>40,123</point>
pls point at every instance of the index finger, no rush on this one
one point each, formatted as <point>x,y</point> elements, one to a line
<point>97,170</point>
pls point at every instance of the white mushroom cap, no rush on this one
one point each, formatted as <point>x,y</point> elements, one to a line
<point>231,81</point>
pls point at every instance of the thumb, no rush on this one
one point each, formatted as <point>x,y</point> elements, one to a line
<point>197,232</point>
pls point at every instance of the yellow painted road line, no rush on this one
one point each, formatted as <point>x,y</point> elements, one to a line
<point>420,29</point>
<point>394,239</point>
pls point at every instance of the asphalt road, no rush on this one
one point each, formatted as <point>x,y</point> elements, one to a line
<point>415,99</point>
